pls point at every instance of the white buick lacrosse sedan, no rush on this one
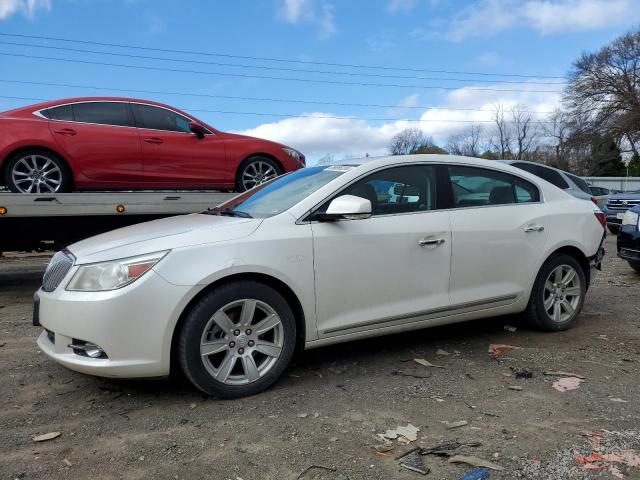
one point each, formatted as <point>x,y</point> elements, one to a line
<point>322,255</point>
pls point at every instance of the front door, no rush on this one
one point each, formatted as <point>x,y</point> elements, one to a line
<point>388,269</point>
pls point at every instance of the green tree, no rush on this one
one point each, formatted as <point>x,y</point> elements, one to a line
<point>606,159</point>
<point>634,167</point>
<point>431,149</point>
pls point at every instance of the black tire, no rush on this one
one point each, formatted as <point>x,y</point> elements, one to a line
<point>635,266</point>
<point>197,320</point>
<point>253,165</point>
<point>613,229</point>
<point>60,177</point>
<point>535,313</point>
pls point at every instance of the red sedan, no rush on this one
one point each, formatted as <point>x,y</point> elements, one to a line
<point>123,143</point>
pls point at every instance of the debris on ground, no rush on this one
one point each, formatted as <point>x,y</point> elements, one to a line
<point>560,373</point>
<point>475,462</point>
<point>618,400</point>
<point>567,383</point>
<point>406,373</point>
<point>412,460</point>
<point>46,436</point>
<point>522,373</point>
<point>476,474</point>
<point>447,449</point>
<point>387,447</point>
<point>517,388</point>
<point>442,353</point>
<point>311,467</point>
<point>510,328</point>
<point>303,415</point>
<point>406,434</point>
<point>497,349</point>
<point>458,424</point>
<point>426,363</point>
<point>67,462</point>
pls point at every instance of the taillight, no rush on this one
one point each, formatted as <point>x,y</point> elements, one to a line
<point>593,199</point>
<point>601,218</point>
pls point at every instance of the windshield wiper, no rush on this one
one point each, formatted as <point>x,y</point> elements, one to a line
<point>227,212</point>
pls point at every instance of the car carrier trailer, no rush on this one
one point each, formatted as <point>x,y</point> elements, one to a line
<point>52,221</point>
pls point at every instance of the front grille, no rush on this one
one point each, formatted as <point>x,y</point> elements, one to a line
<point>616,204</point>
<point>58,267</point>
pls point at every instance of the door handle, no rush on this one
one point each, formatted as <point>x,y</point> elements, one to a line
<point>533,228</point>
<point>431,241</point>
<point>154,140</point>
<point>66,131</point>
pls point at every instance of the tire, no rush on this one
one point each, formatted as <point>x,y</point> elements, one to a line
<point>613,229</point>
<point>635,266</point>
<point>256,170</point>
<point>38,171</point>
<point>543,318</point>
<point>215,325</point>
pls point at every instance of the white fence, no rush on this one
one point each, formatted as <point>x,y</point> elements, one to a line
<point>624,184</point>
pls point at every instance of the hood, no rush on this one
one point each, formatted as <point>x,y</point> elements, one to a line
<point>164,234</point>
<point>625,196</point>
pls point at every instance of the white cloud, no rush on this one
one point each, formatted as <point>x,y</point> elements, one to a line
<point>489,17</point>
<point>27,8</point>
<point>401,5</point>
<point>309,11</point>
<point>315,135</point>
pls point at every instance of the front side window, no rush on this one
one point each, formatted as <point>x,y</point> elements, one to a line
<point>476,187</point>
<point>158,118</point>
<point>396,190</point>
<point>103,113</point>
<point>580,183</point>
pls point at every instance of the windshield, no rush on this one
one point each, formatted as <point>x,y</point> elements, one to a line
<point>281,194</point>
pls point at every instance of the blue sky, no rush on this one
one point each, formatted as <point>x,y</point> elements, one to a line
<point>535,38</point>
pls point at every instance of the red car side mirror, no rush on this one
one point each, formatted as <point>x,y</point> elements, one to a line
<point>198,129</point>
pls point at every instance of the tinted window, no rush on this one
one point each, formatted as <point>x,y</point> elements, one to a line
<point>580,183</point>
<point>158,118</point>
<point>103,113</point>
<point>545,173</point>
<point>397,190</point>
<point>599,191</point>
<point>59,113</point>
<point>479,187</point>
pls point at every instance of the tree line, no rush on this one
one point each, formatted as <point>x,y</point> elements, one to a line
<point>595,132</point>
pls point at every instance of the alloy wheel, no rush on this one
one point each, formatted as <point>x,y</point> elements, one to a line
<point>256,173</point>
<point>36,174</point>
<point>242,342</point>
<point>562,292</point>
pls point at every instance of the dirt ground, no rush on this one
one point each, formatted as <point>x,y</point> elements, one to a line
<point>332,402</point>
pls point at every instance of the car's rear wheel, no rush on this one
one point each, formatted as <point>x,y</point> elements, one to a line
<point>256,170</point>
<point>635,266</point>
<point>38,171</point>
<point>237,340</point>
<point>558,294</point>
<point>613,229</point>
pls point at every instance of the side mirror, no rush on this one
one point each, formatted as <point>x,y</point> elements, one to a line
<point>198,129</point>
<point>348,207</point>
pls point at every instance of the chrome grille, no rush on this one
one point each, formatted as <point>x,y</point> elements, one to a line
<point>56,270</point>
<point>622,204</point>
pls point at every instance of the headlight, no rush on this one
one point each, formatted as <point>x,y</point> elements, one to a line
<point>296,155</point>
<point>101,277</point>
<point>630,218</point>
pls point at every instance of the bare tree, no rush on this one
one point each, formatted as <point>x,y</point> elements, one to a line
<point>467,142</point>
<point>502,137</point>
<point>524,130</point>
<point>410,141</point>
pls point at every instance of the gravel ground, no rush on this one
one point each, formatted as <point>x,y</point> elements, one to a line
<point>332,402</point>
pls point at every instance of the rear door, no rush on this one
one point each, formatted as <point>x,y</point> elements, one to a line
<point>100,139</point>
<point>498,227</point>
<point>174,156</point>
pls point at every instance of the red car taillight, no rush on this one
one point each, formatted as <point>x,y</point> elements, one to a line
<point>593,199</point>
<point>601,218</point>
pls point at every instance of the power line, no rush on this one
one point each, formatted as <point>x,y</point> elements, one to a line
<point>322,117</point>
<point>268,77</point>
<point>283,69</point>
<point>254,99</point>
<point>275,59</point>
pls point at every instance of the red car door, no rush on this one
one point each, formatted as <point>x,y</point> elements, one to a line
<point>174,156</point>
<point>101,141</point>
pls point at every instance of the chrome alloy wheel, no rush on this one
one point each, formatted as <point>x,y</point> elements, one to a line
<point>256,173</point>
<point>562,293</point>
<point>242,342</point>
<point>36,174</point>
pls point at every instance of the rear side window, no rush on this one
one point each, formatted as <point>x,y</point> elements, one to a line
<point>158,118</point>
<point>63,112</point>
<point>474,187</point>
<point>103,113</point>
<point>580,183</point>
<point>545,173</point>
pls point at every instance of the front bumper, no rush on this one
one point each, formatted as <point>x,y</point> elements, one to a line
<point>133,326</point>
<point>629,243</point>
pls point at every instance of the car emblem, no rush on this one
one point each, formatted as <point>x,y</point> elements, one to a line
<point>624,203</point>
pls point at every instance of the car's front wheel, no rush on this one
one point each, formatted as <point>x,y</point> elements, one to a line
<point>38,171</point>
<point>237,340</point>
<point>558,293</point>
<point>254,171</point>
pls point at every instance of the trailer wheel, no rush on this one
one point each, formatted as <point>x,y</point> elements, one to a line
<point>38,171</point>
